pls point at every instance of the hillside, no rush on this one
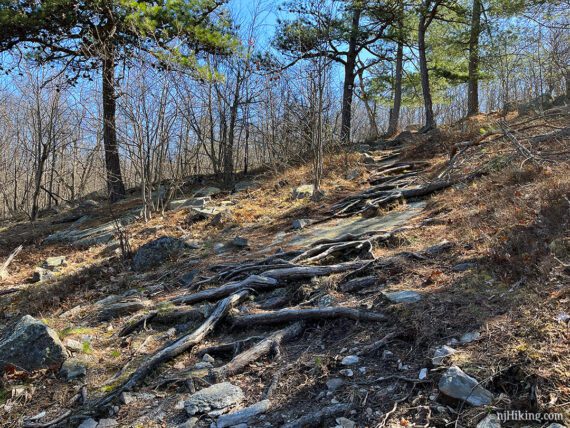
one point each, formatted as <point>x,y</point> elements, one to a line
<point>427,287</point>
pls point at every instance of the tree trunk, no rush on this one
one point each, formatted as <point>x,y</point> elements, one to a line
<point>115,185</point>
<point>426,91</point>
<point>473,87</point>
<point>349,77</point>
<point>395,110</point>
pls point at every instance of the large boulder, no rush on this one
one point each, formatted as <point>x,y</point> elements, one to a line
<point>207,191</point>
<point>31,345</point>
<point>156,252</point>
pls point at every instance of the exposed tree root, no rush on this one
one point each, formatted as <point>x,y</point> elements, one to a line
<point>178,347</point>
<point>317,418</point>
<point>287,315</point>
<point>261,349</point>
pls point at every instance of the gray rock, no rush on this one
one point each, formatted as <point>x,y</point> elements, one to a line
<point>73,345</point>
<point>52,263</point>
<point>107,423</point>
<point>189,203</point>
<point>490,421</point>
<point>353,174</point>
<point>244,185</point>
<point>31,345</point>
<point>156,252</point>
<point>469,337</point>
<point>350,360</point>
<point>203,365</point>
<point>301,223</point>
<point>334,383</point>
<point>73,369</point>
<point>208,359</point>
<point>131,397</point>
<point>220,247</point>
<point>405,296</point>
<point>41,275</point>
<point>207,191</point>
<point>303,191</point>
<point>88,423</point>
<point>441,353</point>
<point>215,397</point>
<point>346,372</point>
<point>438,249</point>
<point>366,158</point>
<point>121,309</point>
<point>187,279</point>
<point>458,385</point>
<point>243,415</point>
<point>190,423</point>
<point>345,423</point>
<point>462,267</point>
<point>556,425</point>
<point>240,242</point>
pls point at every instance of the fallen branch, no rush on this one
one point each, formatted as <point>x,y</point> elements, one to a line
<point>286,315</point>
<point>61,418</point>
<point>178,347</point>
<point>4,267</point>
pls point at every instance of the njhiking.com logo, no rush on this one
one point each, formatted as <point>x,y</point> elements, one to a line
<point>519,415</point>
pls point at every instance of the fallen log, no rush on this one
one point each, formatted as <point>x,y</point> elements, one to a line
<point>317,418</point>
<point>234,347</point>
<point>302,272</point>
<point>176,348</point>
<point>357,284</point>
<point>261,349</point>
<point>286,315</point>
<point>325,250</point>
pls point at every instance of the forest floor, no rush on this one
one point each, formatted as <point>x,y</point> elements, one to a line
<point>484,264</point>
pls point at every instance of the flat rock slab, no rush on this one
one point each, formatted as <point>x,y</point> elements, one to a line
<point>207,191</point>
<point>354,225</point>
<point>404,296</point>
<point>455,383</point>
<point>31,345</point>
<point>215,397</point>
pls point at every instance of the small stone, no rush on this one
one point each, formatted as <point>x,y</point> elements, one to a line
<point>334,401</point>
<point>107,423</point>
<point>490,421</point>
<point>345,423</point>
<point>352,174</point>
<point>131,397</point>
<point>74,345</point>
<point>423,374</point>
<point>208,359</point>
<point>441,353</point>
<point>190,423</point>
<point>457,384</point>
<point>350,360</point>
<point>73,369</point>
<point>203,365</point>
<point>469,337</point>
<point>240,242</point>
<point>88,423</point>
<point>52,263</point>
<point>207,191</point>
<point>300,223</point>
<point>387,355</point>
<point>405,296</point>
<point>304,191</point>
<point>334,383</point>
<point>362,370</point>
<point>41,275</point>
<point>220,247</point>
<point>346,372</point>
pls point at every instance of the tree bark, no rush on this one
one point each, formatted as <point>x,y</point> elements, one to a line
<point>426,91</point>
<point>473,86</point>
<point>395,110</point>
<point>115,185</point>
<point>349,78</point>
